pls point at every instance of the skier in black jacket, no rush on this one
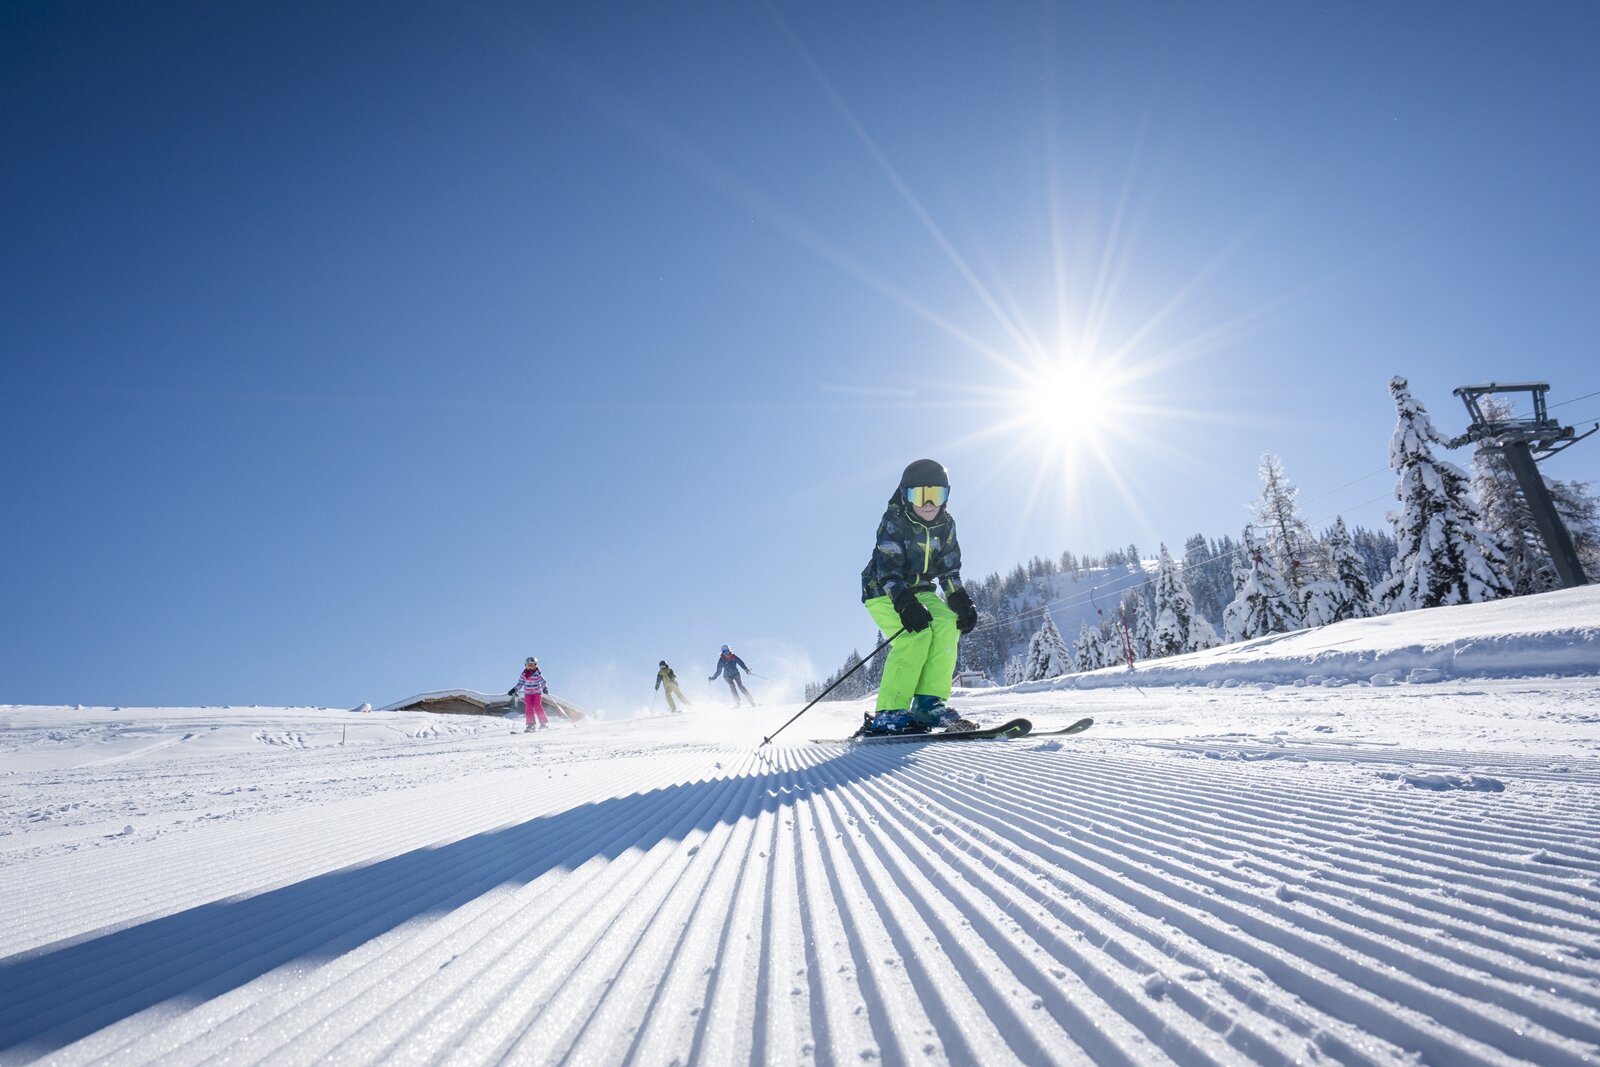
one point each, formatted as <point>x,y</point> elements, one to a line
<point>916,558</point>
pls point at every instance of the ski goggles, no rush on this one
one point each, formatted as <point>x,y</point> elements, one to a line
<point>918,495</point>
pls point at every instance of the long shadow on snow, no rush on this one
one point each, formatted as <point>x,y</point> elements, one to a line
<point>55,996</point>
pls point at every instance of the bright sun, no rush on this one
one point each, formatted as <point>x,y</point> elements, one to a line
<point>1070,403</point>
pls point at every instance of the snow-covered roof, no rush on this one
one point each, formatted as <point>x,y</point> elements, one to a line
<point>447,694</point>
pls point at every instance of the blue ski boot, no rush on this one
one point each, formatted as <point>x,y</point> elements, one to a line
<point>889,722</point>
<point>933,712</point>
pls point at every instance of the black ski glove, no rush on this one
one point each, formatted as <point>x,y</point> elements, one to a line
<point>913,615</point>
<point>966,614</point>
<point>511,692</point>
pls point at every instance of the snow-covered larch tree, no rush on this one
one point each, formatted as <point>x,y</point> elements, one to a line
<point>1580,511</point>
<point>1285,536</point>
<point>1444,556</point>
<point>1047,653</point>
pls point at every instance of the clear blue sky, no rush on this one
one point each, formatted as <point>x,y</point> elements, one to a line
<point>355,350</point>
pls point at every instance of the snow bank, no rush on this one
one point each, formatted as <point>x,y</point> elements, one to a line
<point>1551,634</point>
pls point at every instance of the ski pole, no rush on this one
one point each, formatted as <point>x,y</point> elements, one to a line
<point>887,641</point>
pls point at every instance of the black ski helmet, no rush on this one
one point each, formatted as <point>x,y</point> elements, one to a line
<point>925,472</point>
<point>663,663</point>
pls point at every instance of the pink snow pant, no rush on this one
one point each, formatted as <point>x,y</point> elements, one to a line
<point>533,707</point>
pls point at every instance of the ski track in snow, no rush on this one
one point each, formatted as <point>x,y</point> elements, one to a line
<point>464,897</point>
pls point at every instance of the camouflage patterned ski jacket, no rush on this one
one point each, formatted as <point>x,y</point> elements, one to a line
<point>912,554</point>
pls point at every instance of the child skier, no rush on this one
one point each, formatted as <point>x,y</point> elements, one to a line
<point>728,666</point>
<point>666,677</point>
<point>533,688</point>
<point>916,556</point>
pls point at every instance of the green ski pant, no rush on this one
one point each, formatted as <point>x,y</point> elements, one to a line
<point>919,664</point>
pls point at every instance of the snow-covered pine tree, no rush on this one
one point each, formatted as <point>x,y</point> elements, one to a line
<point>1444,555</point>
<point>1178,626</point>
<point>1173,607</point>
<point>1047,653</point>
<point>1202,634</point>
<point>1131,613</point>
<point>1113,649</point>
<point>1264,604</point>
<point>1144,628</point>
<point>1016,668</point>
<point>1351,593</point>
<point>1088,651</point>
<point>1285,535</point>
<point>1377,551</point>
<point>1319,603</point>
<point>1208,581</point>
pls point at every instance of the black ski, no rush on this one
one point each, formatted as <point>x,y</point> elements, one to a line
<point>1014,728</point>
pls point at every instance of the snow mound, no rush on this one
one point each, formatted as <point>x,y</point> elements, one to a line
<point>1440,782</point>
<point>1552,634</point>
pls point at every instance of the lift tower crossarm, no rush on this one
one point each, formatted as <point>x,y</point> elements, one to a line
<point>1523,442</point>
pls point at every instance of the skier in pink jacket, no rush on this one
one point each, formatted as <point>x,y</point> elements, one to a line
<point>533,688</point>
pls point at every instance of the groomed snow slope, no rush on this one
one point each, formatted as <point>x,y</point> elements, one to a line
<point>1363,874</point>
